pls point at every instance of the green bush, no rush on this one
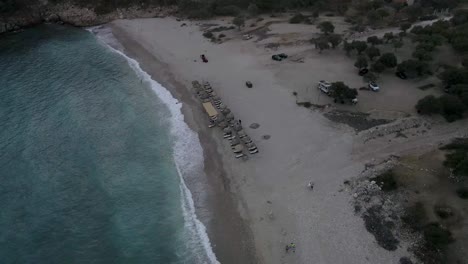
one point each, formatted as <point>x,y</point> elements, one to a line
<point>297,19</point>
<point>230,10</point>
<point>457,159</point>
<point>452,107</point>
<point>437,236</point>
<point>429,105</point>
<point>462,193</point>
<point>415,216</point>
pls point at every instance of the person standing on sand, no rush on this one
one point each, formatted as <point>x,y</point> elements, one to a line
<point>311,185</point>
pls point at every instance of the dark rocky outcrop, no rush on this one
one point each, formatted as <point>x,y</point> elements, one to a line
<point>75,15</point>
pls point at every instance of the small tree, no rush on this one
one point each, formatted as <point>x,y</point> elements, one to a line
<point>252,9</point>
<point>370,77</point>
<point>372,52</point>
<point>422,55</point>
<point>389,60</point>
<point>388,36</point>
<point>413,68</point>
<point>397,44</point>
<point>454,76</point>
<point>321,44</point>
<point>402,35</point>
<point>361,62</point>
<point>452,107</point>
<point>239,22</point>
<point>341,92</point>
<point>326,27</point>
<point>348,47</point>
<point>334,39</point>
<point>360,46</point>
<point>429,105</point>
<point>374,40</point>
<point>297,18</point>
<point>378,67</point>
<point>405,26</point>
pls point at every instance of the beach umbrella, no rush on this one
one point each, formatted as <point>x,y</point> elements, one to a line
<point>222,106</point>
<point>227,130</point>
<point>237,126</point>
<point>241,133</point>
<point>230,116</point>
<point>226,111</point>
<point>222,124</point>
<point>246,139</point>
<point>221,118</point>
<point>235,142</point>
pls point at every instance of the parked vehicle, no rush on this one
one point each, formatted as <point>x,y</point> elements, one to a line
<point>324,86</point>
<point>401,75</point>
<point>363,71</point>
<point>374,86</point>
<point>279,57</point>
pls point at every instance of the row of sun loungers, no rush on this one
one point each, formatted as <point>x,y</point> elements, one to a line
<point>240,142</point>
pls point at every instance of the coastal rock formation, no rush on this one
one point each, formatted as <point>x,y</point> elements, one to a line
<point>76,16</point>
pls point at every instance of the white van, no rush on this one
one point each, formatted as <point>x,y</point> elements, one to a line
<point>324,86</point>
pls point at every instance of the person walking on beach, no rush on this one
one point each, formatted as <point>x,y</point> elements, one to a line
<point>293,247</point>
<point>311,185</point>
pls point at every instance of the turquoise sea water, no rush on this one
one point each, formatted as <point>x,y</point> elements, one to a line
<point>90,157</point>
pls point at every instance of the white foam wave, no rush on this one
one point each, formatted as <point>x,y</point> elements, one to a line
<point>188,155</point>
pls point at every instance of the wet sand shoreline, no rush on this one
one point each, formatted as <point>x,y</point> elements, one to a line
<point>230,236</point>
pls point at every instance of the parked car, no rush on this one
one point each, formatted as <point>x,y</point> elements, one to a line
<point>401,75</point>
<point>374,86</point>
<point>276,58</point>
<point>363,71</point>
<point>324,86</point>
<point>279,57</point>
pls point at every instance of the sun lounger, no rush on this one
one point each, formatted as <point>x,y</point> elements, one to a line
<point>240,155</point>
<point>253,151</point>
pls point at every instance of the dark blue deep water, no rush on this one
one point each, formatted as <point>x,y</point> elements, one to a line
<point>87,167</point>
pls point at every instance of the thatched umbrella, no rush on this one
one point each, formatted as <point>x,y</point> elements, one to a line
<point>222,124</point>
<point>203,95</point>
<point>230,116</point>
<point>246,139</point>
<point>235,141</point>
<point>237,126</point>
<point>226,111</point>
<point>227,130</point>
<point>241,133</point>
<point>250,145</point>
<point>220,118</point>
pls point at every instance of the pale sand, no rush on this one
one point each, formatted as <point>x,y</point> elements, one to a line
<point>271,187</point>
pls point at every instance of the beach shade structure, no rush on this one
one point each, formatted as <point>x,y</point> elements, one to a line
<point>221,118</point>
<point>206,85</point>
<point>227,130</point>
<point>241,133</point>
<point>237,126</point>
<point>250,145</point>
<point>235,141</point>
<point>226,111</point>
<point>229,116</point>
<point>210,110</point>
<point>223,124</point>
<point>238,149</point>
<point>203,95</point>
<point>246,139</point>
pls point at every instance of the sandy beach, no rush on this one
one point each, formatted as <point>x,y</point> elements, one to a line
<point>262,204</point>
